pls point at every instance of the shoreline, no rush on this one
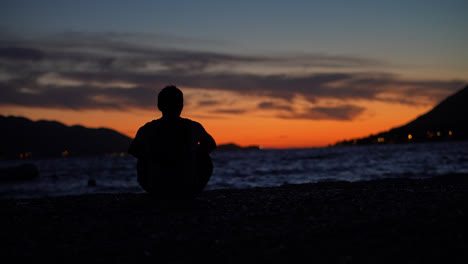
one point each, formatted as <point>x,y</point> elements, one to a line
<point>389,220</point>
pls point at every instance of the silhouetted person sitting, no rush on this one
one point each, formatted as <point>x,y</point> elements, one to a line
<point>173,152</point>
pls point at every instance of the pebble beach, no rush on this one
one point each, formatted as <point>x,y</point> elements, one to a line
<point>379,221</point>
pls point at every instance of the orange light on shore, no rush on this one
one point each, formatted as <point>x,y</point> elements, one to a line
<point>430,134</point>
<point>65,153</point>
<point>410,136</point>
<point>24,155</point>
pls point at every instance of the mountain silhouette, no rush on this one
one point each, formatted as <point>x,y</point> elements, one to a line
<point>235,147</point>
<point>21,137</point>
<point>446,122</point>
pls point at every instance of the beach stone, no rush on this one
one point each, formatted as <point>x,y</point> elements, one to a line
<point>91,182</point>
<point>397,226</point>
<point>23,172</point>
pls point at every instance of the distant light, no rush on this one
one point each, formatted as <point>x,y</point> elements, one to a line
<point>410,136</point>
<point>21,155</point>
<point>380,139</point>
<point>65,153</point>
<point>438,133</point>
<point>430,134</point>
<point>450,133</point>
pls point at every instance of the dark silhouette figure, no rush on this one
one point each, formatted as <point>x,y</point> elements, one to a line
<point>173,152</point>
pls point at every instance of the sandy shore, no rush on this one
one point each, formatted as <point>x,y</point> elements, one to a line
<point>384,221</point>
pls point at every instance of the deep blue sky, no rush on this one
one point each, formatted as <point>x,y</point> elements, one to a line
<point>403,31</point>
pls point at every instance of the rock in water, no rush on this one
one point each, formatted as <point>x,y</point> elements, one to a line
<point>91,182</point>
<point>23,172</point>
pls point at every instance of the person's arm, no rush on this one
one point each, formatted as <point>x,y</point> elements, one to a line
<point>206,141</point>
<point>136,148</point>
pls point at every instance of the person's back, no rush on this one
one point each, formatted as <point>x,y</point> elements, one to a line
<point>173,152</point>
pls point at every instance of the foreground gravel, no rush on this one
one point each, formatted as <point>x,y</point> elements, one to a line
<point>382,221</point>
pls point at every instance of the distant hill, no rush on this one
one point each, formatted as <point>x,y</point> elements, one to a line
<point>234,147</point>
<point>22,137</point>
<point>447,121</point>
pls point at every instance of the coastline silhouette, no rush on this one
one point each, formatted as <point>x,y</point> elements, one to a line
<point>172,152</point>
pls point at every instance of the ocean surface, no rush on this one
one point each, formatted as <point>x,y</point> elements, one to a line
<point>247,169</point>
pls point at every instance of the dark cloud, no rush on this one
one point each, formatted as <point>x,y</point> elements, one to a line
<point>19,53</point>
<point>344,112</point>
<point>79,97</point>
<point>274,106</point>
<point>230,111</point>
<point>78,47</point>
<point>340,113</point>
<point>97,61</point>
<point>208,102</point>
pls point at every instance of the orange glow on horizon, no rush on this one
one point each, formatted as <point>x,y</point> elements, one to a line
<point>244,129</point>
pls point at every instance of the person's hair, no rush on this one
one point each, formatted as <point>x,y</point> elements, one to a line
<point>170,100</point>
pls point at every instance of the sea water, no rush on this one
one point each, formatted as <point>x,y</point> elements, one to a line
<point>248,168</point>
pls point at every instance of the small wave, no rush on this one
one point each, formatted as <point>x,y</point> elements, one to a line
<point>253,169</point>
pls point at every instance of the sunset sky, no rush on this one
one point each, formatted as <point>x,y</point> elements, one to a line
<point>273,73</point>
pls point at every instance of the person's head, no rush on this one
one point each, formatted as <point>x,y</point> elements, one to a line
<point>171,101</point>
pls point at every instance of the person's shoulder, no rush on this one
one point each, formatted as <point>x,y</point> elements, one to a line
<point>153,123</point>
<point>149,125</point>
<point>192,123</point>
